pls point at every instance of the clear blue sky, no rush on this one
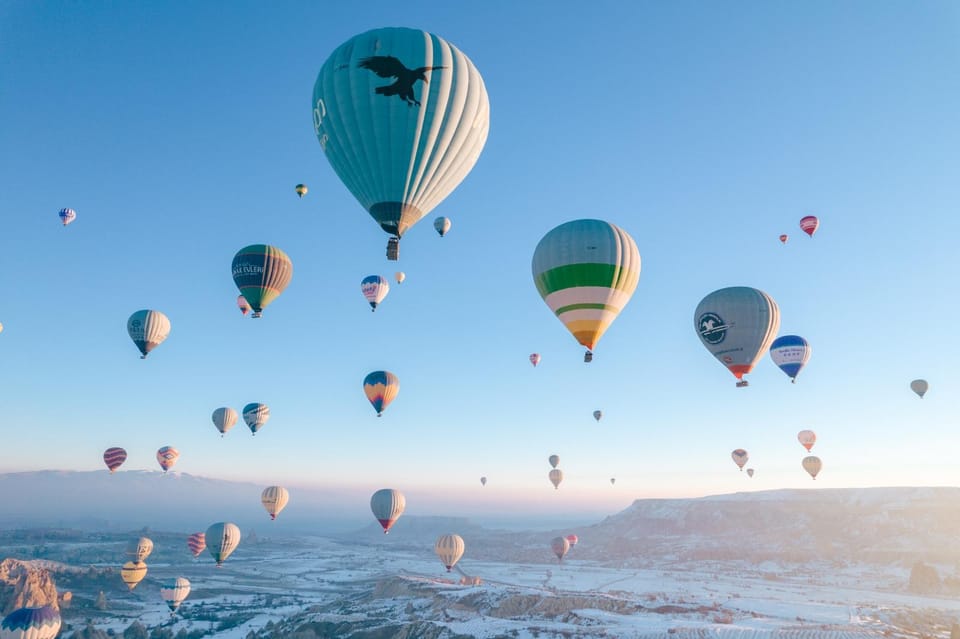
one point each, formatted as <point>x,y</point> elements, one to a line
<point>178,131</point>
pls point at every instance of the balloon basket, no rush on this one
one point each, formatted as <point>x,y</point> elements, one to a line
<point>393,249</point>
<point>743,383</point>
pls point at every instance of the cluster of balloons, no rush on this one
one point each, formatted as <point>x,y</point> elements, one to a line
<point>255,415</point>
<point>114,457</point>
<point>808,224</point>
<point>555,475</point>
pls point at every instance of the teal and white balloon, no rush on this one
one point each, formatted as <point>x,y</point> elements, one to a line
<point>402,115</point>
<point>148,329</point>
<point>737,325</point>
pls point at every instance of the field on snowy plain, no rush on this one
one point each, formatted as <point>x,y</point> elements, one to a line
<point>383,587</point>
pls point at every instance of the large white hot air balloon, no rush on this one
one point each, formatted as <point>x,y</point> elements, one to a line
<point>449,549</point>
<point>402,115</point>
<point>222,539</point>
<point>737,325</point>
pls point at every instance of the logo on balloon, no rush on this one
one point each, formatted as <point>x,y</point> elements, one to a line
<point>387,66</point>
<point>712,329</point>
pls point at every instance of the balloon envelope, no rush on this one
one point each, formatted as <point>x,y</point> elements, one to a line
<point>483,481</point>
<point>67,216</point>
<point>791,353</point>
<point>586,271</point>
<point>402,116</point>
<point>224,418</point>
<point>133,573</point>
<point>222,539</point>
<point>560,546</point>
<point>255,415</point>
<point>737,325</point>
<point>556,476</point>
<point>148,329</point>
<point>40,622</point>
<point>167,457</point>
<point>807,439</point>
<point>812,465</point>
<point>783,239</point>
<point>196,543</point>
<point>261,272</point>
<point>400,276</point>
<point>374,289</point>
<point>449,549</point>
<point>139,549</point>
<point>597,414</point>
<point>301,190</point>
<point>740,457</point>
<point>750,472</point>
<point>809,224</point>
<point>242,305</point>
<point>274,499</point>
<point>554,460</point>
<point>572,540</point>
<point>535,359</point>
<point>114,458</point>
<point>442,225</point>
<point>174,592</point>
<point>381,388</point>
<point>920,387</point>
<point>387,505</point>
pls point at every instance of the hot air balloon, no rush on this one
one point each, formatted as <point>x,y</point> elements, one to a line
<point>174,592</point>
<point>374,288</point>
<point>613,480</point>
<point>400,276</point>
<point>256,415</point>
<point>224,418</point>
<point>750,473</point>
<point>534,359</point>
<point>740,457</point>
<point>114,458</point>
<point>381,388</point>
<point>783,238</point>
<point>483,481</point>
<point>737,325</point>
<point>402,116</point>
<point>139,549</point>
<point>556,476</point>
<point>274,499</point>
<point>449,549</point>
<point>67,216</point>
<point>39,622</point>
<point>261,272</point>
<point>597,414</point>
<point>167,456</point>
<point>791,353</point>
<point>196,543</point>
<point>133,573</point>
<point>1,327</point>
<point>560,547</point>
<point>919,386</point>
<point>148,329</point>
<point>809,224</point>
<point>586,271</point>
<point>242,305</point>
<point>572,540</point>
<point>807,439</point>
<point>442,225</point>
<point>387,505</point>
<point>222,539</point>
<point>812,465</point>
<point>301,190</point>
<point>554,460</point>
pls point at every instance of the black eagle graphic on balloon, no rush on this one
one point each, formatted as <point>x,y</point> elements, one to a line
<point>387,66</point>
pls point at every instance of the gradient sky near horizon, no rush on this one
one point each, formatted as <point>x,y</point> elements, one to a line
<point>177,131</point>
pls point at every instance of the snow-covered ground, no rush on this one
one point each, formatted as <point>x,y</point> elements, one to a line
<point>292,582</point>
